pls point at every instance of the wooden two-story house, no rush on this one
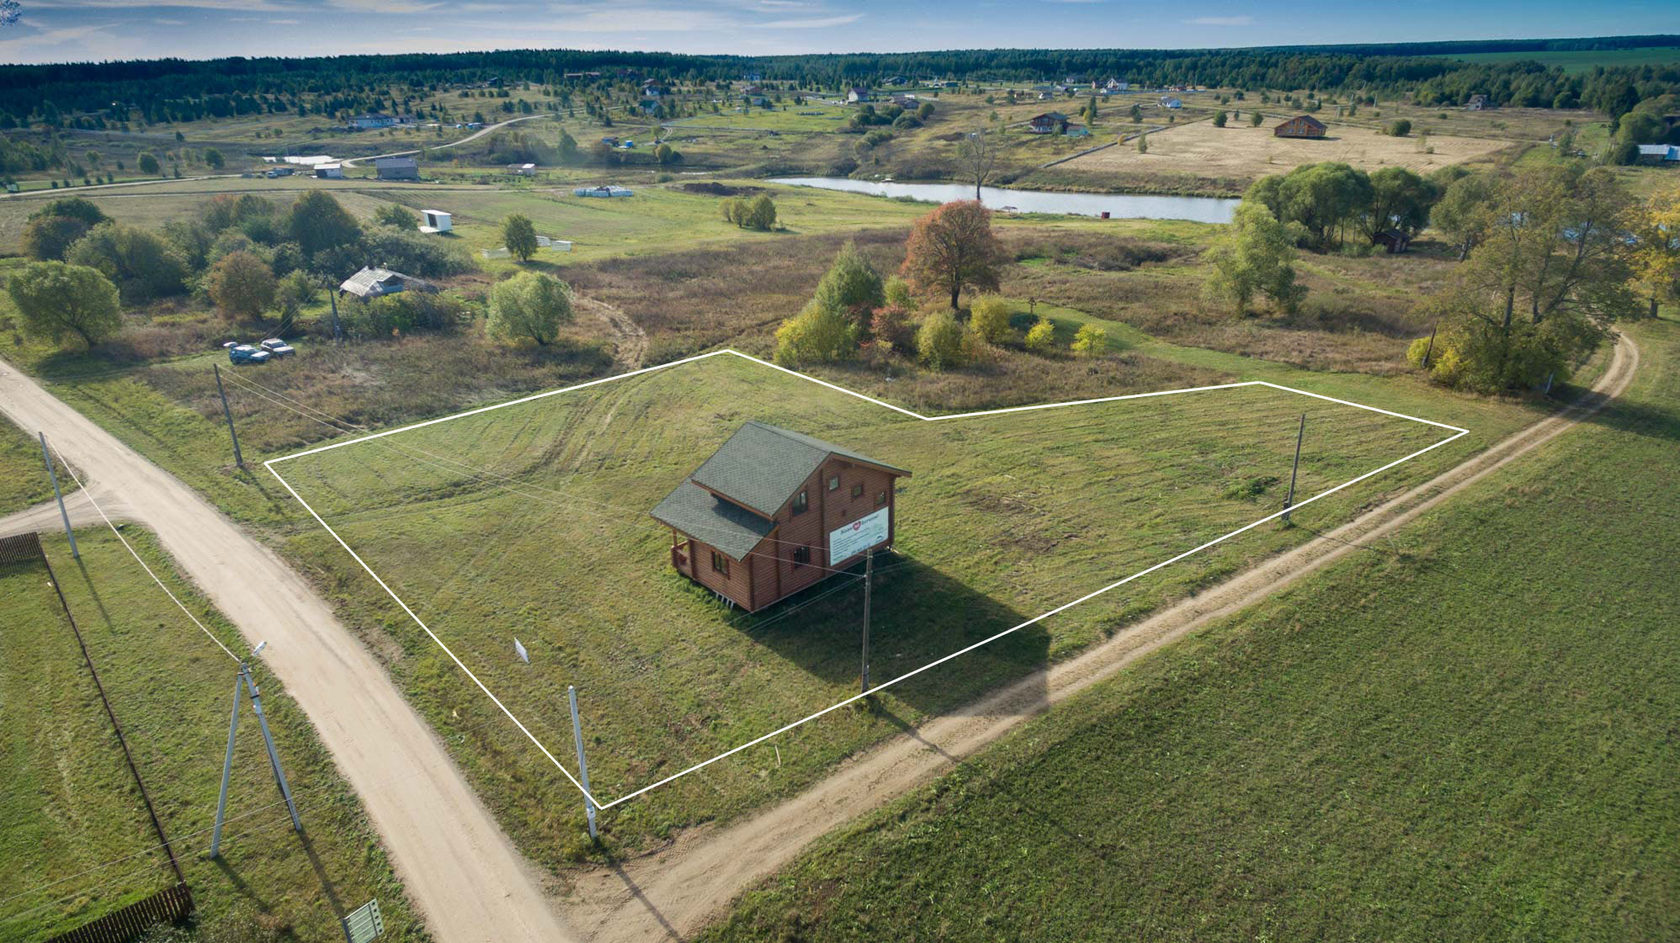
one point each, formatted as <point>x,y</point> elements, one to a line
<point>773,512</point>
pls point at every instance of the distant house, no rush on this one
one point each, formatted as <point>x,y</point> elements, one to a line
<point>1478,103</point>
<point>436,221</point>
<point>773,512</point>
<point>1659,154</point>
<point>378,282</point>
<point>372,121</point>
<point>856,95</point>
<point>1393,240</point>
<point>1300,126</point>
<point>329,171</point>
<point>1115,85</point>
<point>652,89</point>
<point>907,102</point>
<point>1051,122</point>
<point>522,170</point>
<point>1169,102</point>
<point>396,168</point>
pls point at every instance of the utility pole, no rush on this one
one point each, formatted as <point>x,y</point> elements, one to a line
<point>227,414</point>
<point>868,585</point>
<point>243,678</point>
<point>338,332</point>
<point>583,768</point>
<point>1431,348</point>
<point>62,513</point>
<point>1300,434</point>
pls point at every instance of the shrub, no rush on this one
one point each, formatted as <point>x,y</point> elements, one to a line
<point>1090,341</point>
<point>140,264</point>
<point>1399,128</point>
<point>530,305</point>
<point>757,213</point>
<point>818,334</point>
<point>851,285</point>
<point>899,293</point>
<point>939,341</point>
<point>397,216</point>
<point>55,300</point>
<point>988,317</point>
<point>50,237</point>
<point>1219,119</point>
<point>892,328</point>
<point>1042,337</point>
<point>241,285</point>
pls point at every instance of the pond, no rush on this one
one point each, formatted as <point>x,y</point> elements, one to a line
<point>1200,209</point>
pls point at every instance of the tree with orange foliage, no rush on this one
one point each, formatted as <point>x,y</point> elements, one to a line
<point>952,248</point>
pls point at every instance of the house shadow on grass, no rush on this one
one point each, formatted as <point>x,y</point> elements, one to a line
<point>918,615</point>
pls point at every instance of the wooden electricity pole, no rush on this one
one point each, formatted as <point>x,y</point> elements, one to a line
<point>1427,351</point>
<point>1289,502</point>
<point>227,414</point>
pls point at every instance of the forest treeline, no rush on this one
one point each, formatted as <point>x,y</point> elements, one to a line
<point>181,90</point>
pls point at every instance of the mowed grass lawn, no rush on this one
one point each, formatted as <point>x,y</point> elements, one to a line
<point>1465,733</point>
<point>531,522</point>
<point>23,473</point>
<point>76,841</point>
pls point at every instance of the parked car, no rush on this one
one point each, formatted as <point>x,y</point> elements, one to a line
<point>245,353</point>
<point>278,347</point>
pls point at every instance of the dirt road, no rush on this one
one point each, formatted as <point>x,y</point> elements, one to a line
<point>44,517</point>
<point>674,893</point>
<point>462,872</point>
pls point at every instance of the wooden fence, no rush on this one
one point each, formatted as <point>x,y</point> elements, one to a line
<point>170,905</point>
<point>24,548</point>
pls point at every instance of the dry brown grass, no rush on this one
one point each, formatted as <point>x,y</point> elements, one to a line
<point>1246,153</point>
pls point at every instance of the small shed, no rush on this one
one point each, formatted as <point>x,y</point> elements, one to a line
<point>774,511</point>
<point>396,168</point>
<point>522,170</point>
<point>329,171</point>
<point>1300,126</point>
<point>856,95</point>
<point>1395,241</point>
<point>1477,103</point>
<point>373,282</point>
<point>436,221</point>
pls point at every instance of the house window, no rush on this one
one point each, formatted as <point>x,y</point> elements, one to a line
<point>720,563</point>
<point>880,499</point>
<point>801,556</point>
<point>857,490</point>
<point>801,503</point>
<point>834,483</point>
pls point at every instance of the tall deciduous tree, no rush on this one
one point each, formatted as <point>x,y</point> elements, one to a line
<point>55,300</point>
<point>1657,256</point>
<point>141,265</point>
<point>1400,200</point>
<point>953,248</point>
<point>530,305</point>
<point>1255,257</point>
<point>976,156</point>
<point>519,234</point>
<point>317,223</point>
<point>241,285</point>
<point>852,285</point>
<point>1462,211</point>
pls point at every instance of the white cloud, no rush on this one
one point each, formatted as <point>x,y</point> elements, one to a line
<point>1221,21</point>
<point>821,22</point>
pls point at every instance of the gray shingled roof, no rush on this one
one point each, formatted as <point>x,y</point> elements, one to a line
<point>759,467</point>
<point>373,282</point>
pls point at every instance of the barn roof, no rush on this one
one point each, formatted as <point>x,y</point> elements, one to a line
<point>755,472</point>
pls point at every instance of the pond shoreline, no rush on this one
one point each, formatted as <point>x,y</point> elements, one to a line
<point>1192,208</point>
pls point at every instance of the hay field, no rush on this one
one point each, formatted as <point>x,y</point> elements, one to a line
<point>1249,153</point>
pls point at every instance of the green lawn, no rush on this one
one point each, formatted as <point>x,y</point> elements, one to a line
<point>1465,733</point>
<point>77,843</point>
<point>1005,518</point>
<point>23,475</point>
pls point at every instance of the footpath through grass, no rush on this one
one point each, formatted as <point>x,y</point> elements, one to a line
<point>1466,732</point>
<point>76,842</point>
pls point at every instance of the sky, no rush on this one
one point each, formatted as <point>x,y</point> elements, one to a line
<point>81,30</point>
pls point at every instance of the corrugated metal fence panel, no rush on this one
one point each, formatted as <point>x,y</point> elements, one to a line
<point>171,905</point>
<point>24,548</point>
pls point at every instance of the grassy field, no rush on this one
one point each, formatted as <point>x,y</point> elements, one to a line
<point>1584,60</point>
<point>1463,733</point>
<point>1004,519</point>
<point>1242,152</point>
<point>78,844</point>
<point>23,476</point>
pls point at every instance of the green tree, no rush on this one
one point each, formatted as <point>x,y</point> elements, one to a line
<point>1399,128</point>
<point>50,237</point>
<point>1255,257</point>
<point>1255,118</point>
<point>988,318</point>
<point>1323,198</point>
<point>530,305</point>
<point>851,285</point>
<point>953,248</point>
<point>73,207</point>
<point>241,285</point>
<point>148,164</point>
<point>318,223</point>
<point>568,148</point>
<point>1041,337</point>
<point>1219,119</point>
<point>519,234</point>
<point>1090,341</point>
<point>761,213</point>
<point>55,300</point>
<point>141,265</point>
<point>397,216</point>
<point>899,293</point>
<point>1136,113</point>
<point>1461,213</point>
<point>213,158</point>
<point>1400,200</point>
<point>820,333</point>
<point>940,341</point>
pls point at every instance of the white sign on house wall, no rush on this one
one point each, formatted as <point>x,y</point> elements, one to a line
<point>858,536</point>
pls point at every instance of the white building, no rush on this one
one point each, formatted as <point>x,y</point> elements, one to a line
<point>436,221</point>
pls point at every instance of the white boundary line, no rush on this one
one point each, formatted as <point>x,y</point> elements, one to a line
<point>269,464</point>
